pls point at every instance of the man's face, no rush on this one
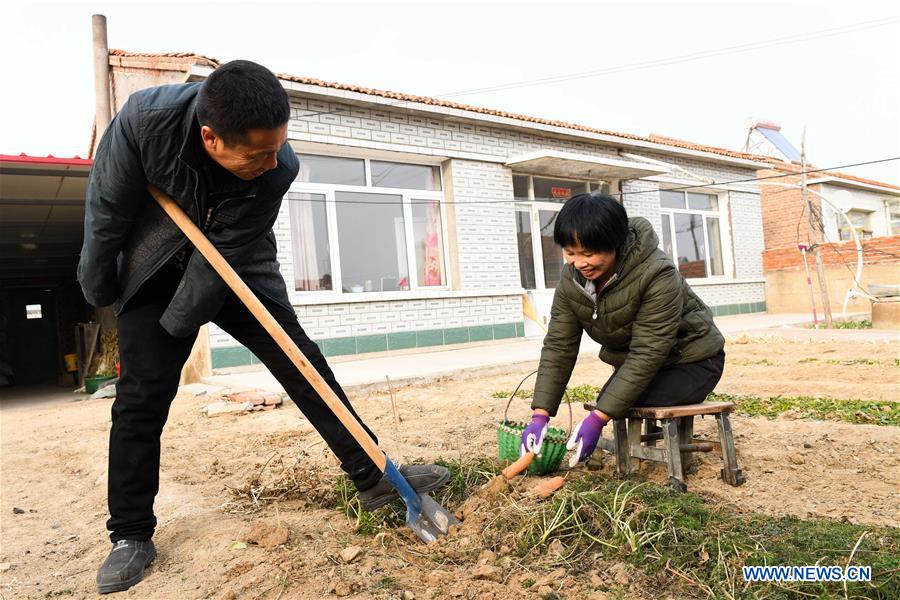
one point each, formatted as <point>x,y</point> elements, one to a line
<point>590,263</point>
<point>249,159</point>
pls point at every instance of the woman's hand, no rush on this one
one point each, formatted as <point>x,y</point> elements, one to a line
<point>586,436</point>
<point>533,436</point>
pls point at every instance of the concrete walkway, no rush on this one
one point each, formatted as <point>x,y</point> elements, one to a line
<point>360,370</point>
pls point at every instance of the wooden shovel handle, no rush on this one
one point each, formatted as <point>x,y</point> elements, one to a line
<point>269,323</point>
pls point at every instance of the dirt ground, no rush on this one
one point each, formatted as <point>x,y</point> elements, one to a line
<point>54,469</point>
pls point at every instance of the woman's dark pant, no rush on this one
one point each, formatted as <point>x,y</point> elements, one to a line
<point>688,383</point>
<point>151,362</point>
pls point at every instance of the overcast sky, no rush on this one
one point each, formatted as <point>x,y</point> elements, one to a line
<point>836,77</point>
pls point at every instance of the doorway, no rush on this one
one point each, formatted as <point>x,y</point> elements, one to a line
<point>31,314</point>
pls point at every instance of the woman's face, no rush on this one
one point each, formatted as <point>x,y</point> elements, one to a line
<point>590,263</point>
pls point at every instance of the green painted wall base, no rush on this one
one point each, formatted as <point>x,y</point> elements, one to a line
<point>234,356</point>
<point>724,310</point>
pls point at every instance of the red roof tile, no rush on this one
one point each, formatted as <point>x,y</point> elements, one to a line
<point>23,158</point>
<point>182,60</point>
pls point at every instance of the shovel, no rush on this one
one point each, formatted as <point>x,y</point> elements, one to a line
<point>428,519</point>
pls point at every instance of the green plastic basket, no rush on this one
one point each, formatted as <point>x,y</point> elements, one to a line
<point>509,439</point>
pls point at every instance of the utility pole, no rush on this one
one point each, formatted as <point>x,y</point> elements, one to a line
<point>813,227</point>
<point>103,110</point>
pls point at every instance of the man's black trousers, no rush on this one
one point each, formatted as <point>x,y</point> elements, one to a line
<point>151,362</point>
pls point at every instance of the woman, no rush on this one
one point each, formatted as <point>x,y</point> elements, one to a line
<point>621,289</point>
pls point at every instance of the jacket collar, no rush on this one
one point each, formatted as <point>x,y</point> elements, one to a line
<point>191,130</point>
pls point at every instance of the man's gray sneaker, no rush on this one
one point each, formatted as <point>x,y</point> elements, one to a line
<point>125,565</point>
<point>422,478</point>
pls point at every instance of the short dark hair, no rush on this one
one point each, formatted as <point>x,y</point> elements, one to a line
<point>239,96</point>
<point>596,221</point>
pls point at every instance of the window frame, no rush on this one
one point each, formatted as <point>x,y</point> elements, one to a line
<point>724,231</point>
<point>864,232</point>
<point>892,207</point>
<point>533,207</point>
<point>330,190</point>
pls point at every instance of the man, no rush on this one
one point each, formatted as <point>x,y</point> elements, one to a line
<point>626,293</point>
<point>219,149</point>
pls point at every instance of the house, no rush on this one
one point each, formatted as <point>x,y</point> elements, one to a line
<point>419,222</point>
<point>847,205</point>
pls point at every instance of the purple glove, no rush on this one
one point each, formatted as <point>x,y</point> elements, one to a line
<point>533,436</point>
<point>585,437</point>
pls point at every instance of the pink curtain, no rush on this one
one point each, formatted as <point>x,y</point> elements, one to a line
<point>433,266</point>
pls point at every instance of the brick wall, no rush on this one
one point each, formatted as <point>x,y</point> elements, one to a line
<point>324,321</point>
<point>785,220</point>
<point>486,243</point>
<point>875,250</point>
<point>788,291</point>
<point>403,132</point>
<point>730,293</point>
<point>641,199</point>
<point>747,234</point>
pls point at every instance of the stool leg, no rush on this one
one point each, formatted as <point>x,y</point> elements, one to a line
<point>634,442</point>
<point>686,436</point>
<point>650,427</point>
<point>673,454</point>
<point>623,460</point>
<point>731,474</point>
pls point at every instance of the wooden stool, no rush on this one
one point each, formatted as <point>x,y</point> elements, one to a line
<point>677,434</point>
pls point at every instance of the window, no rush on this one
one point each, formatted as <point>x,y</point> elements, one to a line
<point>361,225</point>
<point>331,169</point>
<point>894,216</point>
<point>32,311</point>
<point>862,223</point>
<point>539,201</point>
<point>692,235</point>
<point>309,232</point>
<point>399,175</point>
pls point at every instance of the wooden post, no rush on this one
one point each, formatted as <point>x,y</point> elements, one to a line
<point>103,112</point>
<point>813,227</point>
<point>102,116</point>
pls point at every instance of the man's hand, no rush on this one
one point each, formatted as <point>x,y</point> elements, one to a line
<point>585,437</point>
<point>533,436</point>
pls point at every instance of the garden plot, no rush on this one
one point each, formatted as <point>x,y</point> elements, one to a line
<point>252,506</point>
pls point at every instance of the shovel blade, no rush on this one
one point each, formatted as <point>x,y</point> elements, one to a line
<point>428,519</point>
<point>433,521</point>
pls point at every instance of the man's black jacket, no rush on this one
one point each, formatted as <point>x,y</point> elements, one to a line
<point>127,236</point>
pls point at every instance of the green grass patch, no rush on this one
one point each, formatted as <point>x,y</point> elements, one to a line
<point>848,324</point>
<point>680,541</point>
<point>465,476</point>
<point>871,412</point>
<point>678,535</point>
<point>578,394</point>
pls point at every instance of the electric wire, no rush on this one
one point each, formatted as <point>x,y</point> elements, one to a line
<point>653,63</point>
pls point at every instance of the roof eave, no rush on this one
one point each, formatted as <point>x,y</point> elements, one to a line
<point>854,184</point>
<point>199,72</point>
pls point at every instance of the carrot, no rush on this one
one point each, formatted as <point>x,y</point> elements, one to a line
<point>518,466</point>
<point>548,486</point>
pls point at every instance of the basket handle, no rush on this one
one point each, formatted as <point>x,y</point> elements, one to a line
<point>509,402</point>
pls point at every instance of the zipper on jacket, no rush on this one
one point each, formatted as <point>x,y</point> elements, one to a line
<point>211,212</point>
<point>600,291</point>
<point>597,301</point>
